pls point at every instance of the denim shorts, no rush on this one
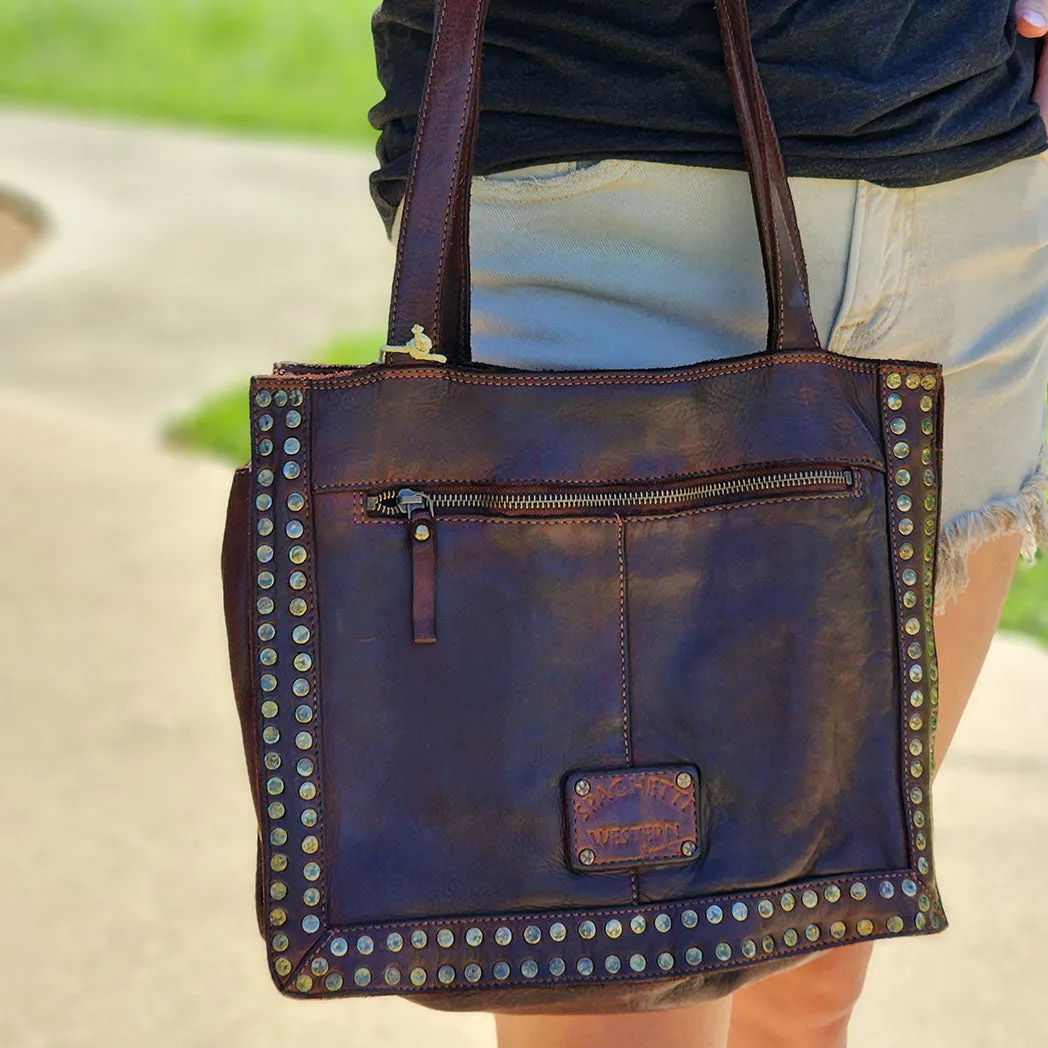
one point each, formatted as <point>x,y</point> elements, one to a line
<point>634,264</point>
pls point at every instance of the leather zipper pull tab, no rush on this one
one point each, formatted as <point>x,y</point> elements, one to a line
<point>423,538</point>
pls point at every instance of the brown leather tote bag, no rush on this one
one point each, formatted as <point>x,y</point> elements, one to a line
<point>583,690</point>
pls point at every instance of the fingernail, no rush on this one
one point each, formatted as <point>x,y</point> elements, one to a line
<point>1034,18</point>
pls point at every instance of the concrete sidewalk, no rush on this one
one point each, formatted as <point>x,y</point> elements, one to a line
<point>130,883</point>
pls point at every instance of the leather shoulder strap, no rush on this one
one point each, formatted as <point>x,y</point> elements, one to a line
<point>431,281</point>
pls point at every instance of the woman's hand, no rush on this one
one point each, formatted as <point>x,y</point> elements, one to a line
<point>1031,17</point>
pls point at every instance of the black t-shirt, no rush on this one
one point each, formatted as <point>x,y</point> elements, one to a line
<point>898,92</point>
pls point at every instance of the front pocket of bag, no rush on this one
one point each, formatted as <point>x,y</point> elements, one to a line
<point>452,756</point>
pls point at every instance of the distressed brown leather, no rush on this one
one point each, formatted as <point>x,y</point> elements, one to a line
<point>727,567</point>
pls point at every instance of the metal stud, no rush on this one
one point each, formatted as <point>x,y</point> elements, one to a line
<point>898,427</point>
<point>913,381</point>
<point>278,836</point>
<point>500,970</point>
<point>300,687</point>
<point>307,791</point>
<point>303,740</point>
<point>913,626</point>
<point>904,503</point>
<point>587,929</point>
<point>300,634</point>
<point>310,845</point>
<point>503,936</point>
<point>446,938</point>
<point>895,924</point>
<point>909,577</point>
<point>275,786</point>
<point>613,929</point>
<point>278,890</point>
<point>339,947</point>
<point>918,818</point>
<point>417,976</point>
<point>295,397</point>
<point>266,477</point>
<point>857,891</point>
<point>787,902</point>
<point>264,501</point>
<point>662,923</point>
<point>280,942</point>
<point>894,380</point>
<point>272,761</point>
<point>265,605</point>
<point>921,841</point>
<point>665,961</point>
<point>280,398</point>
<point>887,889</point>
<point>557,932</point>
<point>714,914</point>
<point>584,966</point>
<point>419,939</point>
<point>810,899</point>
<point>265,422</point>
<point>765,908</point>
<point>906,551</point>
<point>303,661</point>
<point>278,916</point>
<point>392,975</point>
<point>683,779</point>
<point>445,974</point>
<point>915,651</point>
<point>894,401</point>
<point>297,580</point>
<point>812,933</point>
<point>292,446</point>
<point>926,403</point>
<point>638,962</point>
<point>264,526</point>
<point>902,477</point>
<point>303,713</point>
<point>832,893</point>
<point>927,427</point>
<point>689,918</point>
<point>740,911</point>
<point>319,966</point>
<point>923,901</point>
<point>916,769</point>
<point>557,966</point>
<point>266,579</point>
<point>916,673</point>
<point>362,977</point>
<point>916,747</point>
<point>587,857</point>
<point>276,809</point>
<point>688,848</point>
<point>789,937</point>
<point>265,447</point>
<point>365,945</point>
<point>749,948</point>
<point>263,398</point>
<point>267,656</point>
<point>909,887</point>
<point>864,927</point>
<point>900,449</point>
<point>693,955</point>
<point>838,929</point>
<point>298,607</point>
<point>264,554</point>
<point>291,470</point>
<point>311,871</point>
<point>270,735</point>
<point>917,698</point>
<point>928,382</point>
<point>612,964</point>
<point>906,528</point>
<point>282,966</point>
<point>474,936</point>
<point>333,981</point>
<point>919,921</point>
<point>532,934</point>
<point>304,983</point>
<point>311,897</point>
<point>294,529</point>
<point>297,554</point>
<point>638,924</point>
<point>295,501</point>
<point>926,456</point>
<point>293,419</point>
<point>723,951</point>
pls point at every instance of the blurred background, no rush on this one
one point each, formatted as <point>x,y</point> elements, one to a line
<point>183,202</point>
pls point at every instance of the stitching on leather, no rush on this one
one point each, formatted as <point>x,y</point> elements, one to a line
<point>409,193</point>
<point>450,205</point>
<point>623,668</point>
<point>874,464</point>
<point>616,378</point>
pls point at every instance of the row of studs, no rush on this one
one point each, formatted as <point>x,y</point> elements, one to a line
<point>613,929</point>
<point>446,974</point>
<point>291,468</point>
<point>917,596</point>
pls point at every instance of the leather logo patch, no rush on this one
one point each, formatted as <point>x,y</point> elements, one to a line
<point>632,817</point>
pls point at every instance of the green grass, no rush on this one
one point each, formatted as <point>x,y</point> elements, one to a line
<point>221,425</point>
<point>291,66</point>
<point>1027,607</point>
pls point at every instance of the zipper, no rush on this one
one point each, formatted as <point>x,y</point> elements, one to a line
<point>420,508</point>
<point>406,502</point>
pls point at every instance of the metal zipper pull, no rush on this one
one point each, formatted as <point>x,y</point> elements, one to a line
<point>422,534</point>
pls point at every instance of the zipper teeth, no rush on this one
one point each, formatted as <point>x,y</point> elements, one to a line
<point>493,500</point>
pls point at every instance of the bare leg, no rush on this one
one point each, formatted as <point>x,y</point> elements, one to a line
<point>703,1026</point>
<point>809,1007</point>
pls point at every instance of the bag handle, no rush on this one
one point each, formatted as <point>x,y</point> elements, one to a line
<point>431,282</point>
